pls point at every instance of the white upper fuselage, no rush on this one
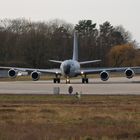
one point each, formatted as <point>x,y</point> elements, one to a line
<point>69,68</point>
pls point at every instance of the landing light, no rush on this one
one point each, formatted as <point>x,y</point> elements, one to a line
<point>82,72</point>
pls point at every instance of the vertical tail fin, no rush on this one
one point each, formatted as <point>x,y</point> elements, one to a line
<point>75,47</point>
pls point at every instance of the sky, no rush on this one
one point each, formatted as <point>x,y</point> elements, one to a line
<point>117,12</point>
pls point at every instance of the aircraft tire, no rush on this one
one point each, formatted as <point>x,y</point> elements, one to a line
<point>58,80</point>
<point>84,80</point>
<point>54,80</point>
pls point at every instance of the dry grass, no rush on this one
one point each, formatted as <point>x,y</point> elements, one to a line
<point>64,117</point>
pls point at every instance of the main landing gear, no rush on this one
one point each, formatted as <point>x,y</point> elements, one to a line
<point>57,79</point>
<point>84,79</point>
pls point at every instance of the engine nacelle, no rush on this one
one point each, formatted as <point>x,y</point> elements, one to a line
<point>104,75</point>
<point>129,73</point>
<point>35,75</point>
<point>12,73</point>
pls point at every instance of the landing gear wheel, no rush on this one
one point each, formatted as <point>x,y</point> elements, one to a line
<point>67,81</point>
<point>84,80</point>
<point>56,80</point>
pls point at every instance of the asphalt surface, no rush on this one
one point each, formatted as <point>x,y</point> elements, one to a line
<point>113,86</point>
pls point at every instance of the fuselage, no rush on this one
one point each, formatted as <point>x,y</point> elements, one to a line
<point>69,68</point>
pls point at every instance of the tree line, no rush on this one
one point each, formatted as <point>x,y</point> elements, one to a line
<point>25,43</point>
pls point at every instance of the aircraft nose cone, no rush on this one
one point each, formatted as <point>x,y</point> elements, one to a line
<point>67,69</point>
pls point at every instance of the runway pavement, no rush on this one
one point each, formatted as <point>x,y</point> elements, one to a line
<point>113,86</point>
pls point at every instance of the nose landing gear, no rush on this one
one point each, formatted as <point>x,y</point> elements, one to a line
<point>67,81</point>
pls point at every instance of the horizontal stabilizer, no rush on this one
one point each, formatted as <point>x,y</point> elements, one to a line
<point>56,61</point>
<point>88,62</point>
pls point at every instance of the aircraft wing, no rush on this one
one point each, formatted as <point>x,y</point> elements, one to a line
<point>29,70</point>
<point>99,70</point>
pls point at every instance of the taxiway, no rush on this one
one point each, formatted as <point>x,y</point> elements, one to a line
<point>114,86</point>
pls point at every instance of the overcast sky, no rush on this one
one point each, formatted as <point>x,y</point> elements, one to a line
<point>117,12</point>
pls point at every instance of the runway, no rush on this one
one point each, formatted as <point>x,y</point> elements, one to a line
<point>114,86</point>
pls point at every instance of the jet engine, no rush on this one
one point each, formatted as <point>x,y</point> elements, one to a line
<point>129,73</point>
<point>35,75</point>
<point>104,75</point>
<point>12,73</point>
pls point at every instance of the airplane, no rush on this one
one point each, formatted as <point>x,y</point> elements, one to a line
<point>71,68</point>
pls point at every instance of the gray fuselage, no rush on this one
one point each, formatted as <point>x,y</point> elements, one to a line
<point>69,68</point>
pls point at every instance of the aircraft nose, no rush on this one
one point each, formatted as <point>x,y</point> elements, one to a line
<point>67,69</point>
